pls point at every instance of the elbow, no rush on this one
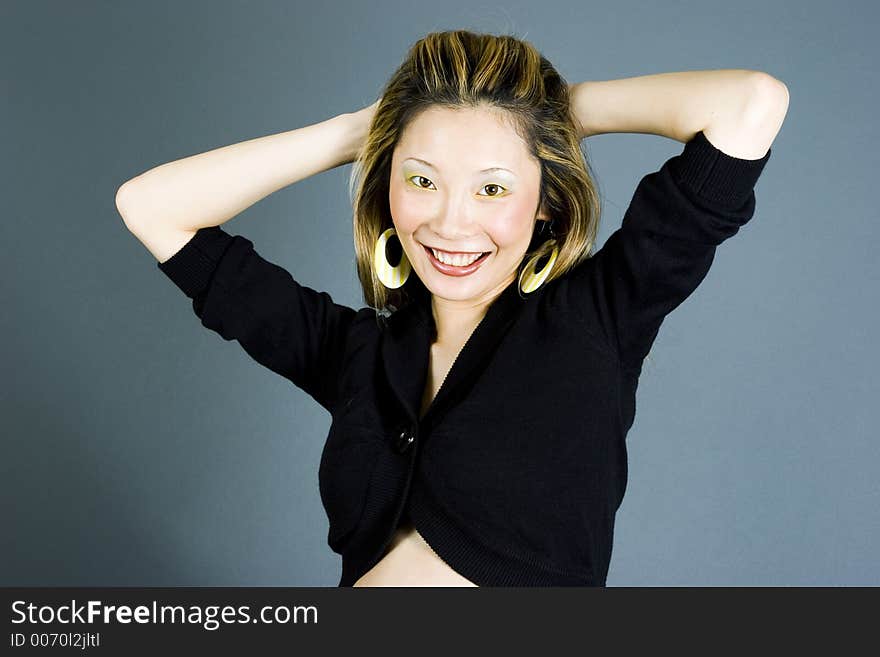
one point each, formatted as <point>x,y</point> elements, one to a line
<point>767,100</point>
<point>125,204</point>
<point>122,196</point>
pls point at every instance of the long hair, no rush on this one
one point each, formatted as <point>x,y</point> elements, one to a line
<point>460,68</point>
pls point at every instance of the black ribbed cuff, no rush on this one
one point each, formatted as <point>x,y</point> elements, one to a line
<point>193,265</point>
<point>716,176</point>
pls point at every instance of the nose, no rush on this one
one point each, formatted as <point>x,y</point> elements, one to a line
<point>452,223</point>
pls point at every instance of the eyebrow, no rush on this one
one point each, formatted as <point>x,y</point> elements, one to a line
<point>489,170</point>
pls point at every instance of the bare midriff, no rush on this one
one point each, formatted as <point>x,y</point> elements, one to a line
<point>410,561</point>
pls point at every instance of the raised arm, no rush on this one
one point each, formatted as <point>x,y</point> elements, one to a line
<point>176,211</point>
<point>166,205</point>
<point>680,214</point>
<point>740,111</point>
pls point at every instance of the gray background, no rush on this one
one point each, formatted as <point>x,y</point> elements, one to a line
<point>139,448</point>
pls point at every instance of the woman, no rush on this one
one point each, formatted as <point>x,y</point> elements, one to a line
<point>481,399</point>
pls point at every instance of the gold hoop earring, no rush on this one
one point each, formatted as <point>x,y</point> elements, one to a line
<point>531,280</point>
<point>392,276</point>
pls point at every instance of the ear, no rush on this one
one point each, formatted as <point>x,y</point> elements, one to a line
<point>542,214</point>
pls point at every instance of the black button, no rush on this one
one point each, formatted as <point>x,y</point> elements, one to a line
<point>404,440</point>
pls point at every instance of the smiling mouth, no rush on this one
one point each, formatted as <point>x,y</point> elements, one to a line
<point>455,270</point>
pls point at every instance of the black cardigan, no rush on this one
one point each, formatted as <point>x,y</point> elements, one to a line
<point>516,472</point>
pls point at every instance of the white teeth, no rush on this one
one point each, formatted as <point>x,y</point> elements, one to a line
<point>456,260</point>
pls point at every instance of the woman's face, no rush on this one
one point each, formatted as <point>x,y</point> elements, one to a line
<point>447,201</point>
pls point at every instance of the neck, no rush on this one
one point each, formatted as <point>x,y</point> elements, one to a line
<point>456,320</point>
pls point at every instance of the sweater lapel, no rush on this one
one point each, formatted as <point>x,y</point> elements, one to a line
<point>406,345</point>
<point>406,351</point>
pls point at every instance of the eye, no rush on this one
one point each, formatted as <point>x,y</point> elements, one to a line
<point>494,185</point>
<point>418,176</point>
<point>484,186</point>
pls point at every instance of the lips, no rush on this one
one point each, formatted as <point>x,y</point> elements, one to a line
<point>452,270</point>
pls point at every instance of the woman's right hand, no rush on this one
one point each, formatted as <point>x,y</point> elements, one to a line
<point>361,120</point>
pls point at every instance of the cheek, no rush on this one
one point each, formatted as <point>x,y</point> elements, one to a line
<point>404,212</point>
<point>512,226</point>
